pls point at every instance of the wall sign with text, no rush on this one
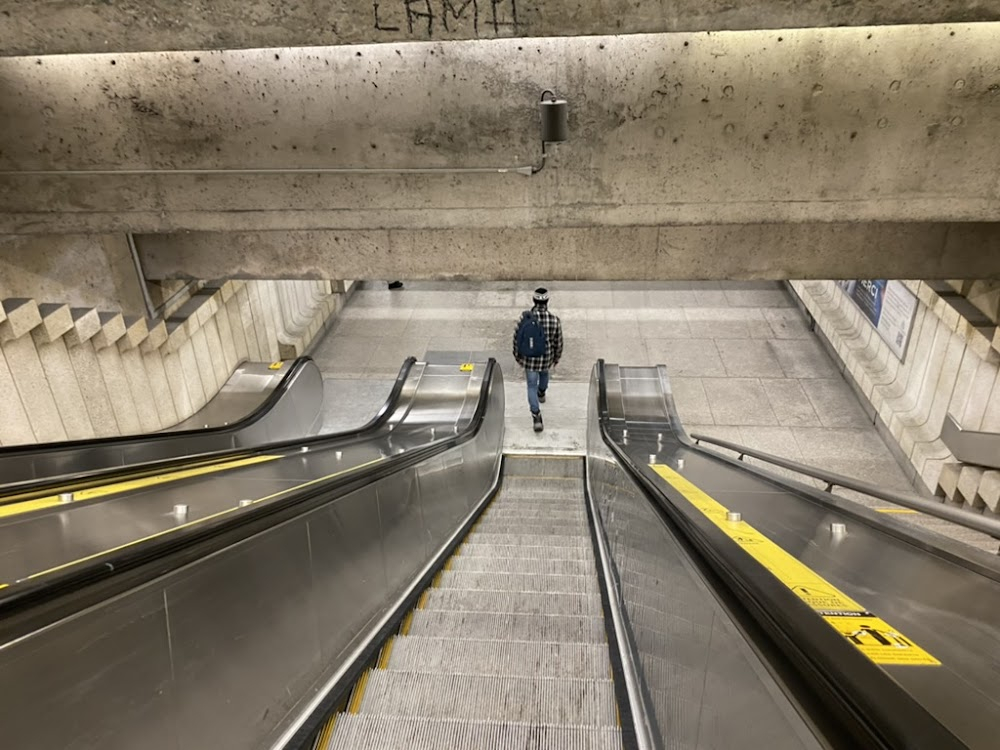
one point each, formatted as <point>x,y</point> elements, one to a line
<point>888,305</point>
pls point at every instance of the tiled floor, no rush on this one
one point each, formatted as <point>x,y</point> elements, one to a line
<point>743,364</point>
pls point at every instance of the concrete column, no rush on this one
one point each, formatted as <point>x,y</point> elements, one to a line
<point>141,390</point>
<point>191,374</point>
<point>227,338</point>
<point>66,391</point>
<point>179,385</point>
<point>116,381</point>
<point>15,428</point>
<point>29,377</point>
<point>249,324</point>
<point>161,392</point>
<point>239,333</point>
<point>94,390</point>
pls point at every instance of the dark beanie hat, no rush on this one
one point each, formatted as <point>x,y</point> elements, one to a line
<point>541,296</point>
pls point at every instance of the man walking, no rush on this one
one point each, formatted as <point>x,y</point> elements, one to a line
<point>538,346</point>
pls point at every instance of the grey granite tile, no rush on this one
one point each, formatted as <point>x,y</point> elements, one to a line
<point>749,358</point>
<point>825,445</point>
<point>686,357</point>
<point>790,404</point>
<point>664,329</point>
<point>835,403</point>
<point>803,358</point>
<point>738,401</point>
<point>691,400</point>
<point>787,323</point>
<point>774,297</point>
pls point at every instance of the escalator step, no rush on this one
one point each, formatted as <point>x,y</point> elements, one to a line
<point>519,582</point>
<point>526,566</point>
<point>506,658</point>
<point>529,514</point>
<point>539,526</point>
<point>537,551</point>
<point>361,732</point>
<point>519,699</point>
<point>460,600</point>
<point>531,540</point>
<point>507,626</point>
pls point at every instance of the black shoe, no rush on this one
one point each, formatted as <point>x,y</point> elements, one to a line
<point>537,419</point>
<point>541,396</point>
<point>395,284</point>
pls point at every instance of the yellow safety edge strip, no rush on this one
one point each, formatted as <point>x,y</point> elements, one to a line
<point>895,510</point>
<point>324,736</point>
<point>873,637</point>
<point>129,485</point>
<point>359,693</point>
<point>199,520</point>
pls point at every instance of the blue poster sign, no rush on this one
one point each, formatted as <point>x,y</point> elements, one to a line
<point>888,305</point>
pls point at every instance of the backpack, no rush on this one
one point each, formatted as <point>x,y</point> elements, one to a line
<point>530,336</point>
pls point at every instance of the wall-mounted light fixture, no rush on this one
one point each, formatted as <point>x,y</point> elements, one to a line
<point>555,123</point>
<point>555,129</point>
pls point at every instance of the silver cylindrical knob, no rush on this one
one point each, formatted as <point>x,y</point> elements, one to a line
<point>245,503</point>
<point>66,497</point>
<point>680,463</point>
<point>838,529</point>
<point>180,509</point>
<point>734,516</point>
<point>339,454</point>
<point>652,458</point>
<point>303,449</point>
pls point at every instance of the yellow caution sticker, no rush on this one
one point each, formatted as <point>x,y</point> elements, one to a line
<point>876,639</point>
<point>275,365</point>
<point>880,642</point>
<point>467,367</point>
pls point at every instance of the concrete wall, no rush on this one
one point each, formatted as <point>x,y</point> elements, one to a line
<point>83,26</point>
<point>951,367</point>
<point>82,271</point>
<point>76,373</point>
<point>738,251</point>
<point>887,124</point>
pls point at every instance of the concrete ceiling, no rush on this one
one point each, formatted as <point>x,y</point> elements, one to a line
<point>30,27</point>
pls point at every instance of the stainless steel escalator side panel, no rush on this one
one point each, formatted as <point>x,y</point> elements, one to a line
<point>227,651</point>
<point>704,685</point>
<point>297,413</point>
<point>947,607</point>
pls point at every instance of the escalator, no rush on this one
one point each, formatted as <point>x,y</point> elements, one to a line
<point>445,595</point>
<point>259,404</point>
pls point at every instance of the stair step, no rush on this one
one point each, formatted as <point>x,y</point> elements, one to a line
<point>487,536</point>
<point>362,732</point>
<point>454,654</point>
<point>493,548</point>
<point>501,626</point>
<point>518,582</point>
<point>466,562</point>
<point>543,700</point>
<point>458,600</point>
<point>570,489</point>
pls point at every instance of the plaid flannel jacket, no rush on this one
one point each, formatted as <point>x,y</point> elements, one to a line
<point>553,341</point>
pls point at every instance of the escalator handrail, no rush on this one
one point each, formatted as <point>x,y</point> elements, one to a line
<point>65,483</point>
<point>885,713</point>
<point>59,595</point>
<point>968,519</point>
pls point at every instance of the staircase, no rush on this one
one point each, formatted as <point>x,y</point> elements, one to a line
<point>507,649</point>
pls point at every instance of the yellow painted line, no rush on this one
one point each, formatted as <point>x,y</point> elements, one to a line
<point>326,733</point>
<point>359,693</point>
<point>407,623</point>
<point>383,659</point>
<point>422,601</point>
<point>198,521</point>
<point>895,510</point>
<point>873,637</point>
<point>129,485</point>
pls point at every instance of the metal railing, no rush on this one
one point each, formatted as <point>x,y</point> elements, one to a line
<point>990,526</point>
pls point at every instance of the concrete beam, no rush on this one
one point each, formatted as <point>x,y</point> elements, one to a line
<point>82,26</point>
<point>758,251</point>
<point>807,125</point>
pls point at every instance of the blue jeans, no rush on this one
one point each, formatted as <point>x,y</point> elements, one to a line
<point>537,381</point>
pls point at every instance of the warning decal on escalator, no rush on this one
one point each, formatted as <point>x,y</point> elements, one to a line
<point>872,636</point>
<point>880,642</point>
